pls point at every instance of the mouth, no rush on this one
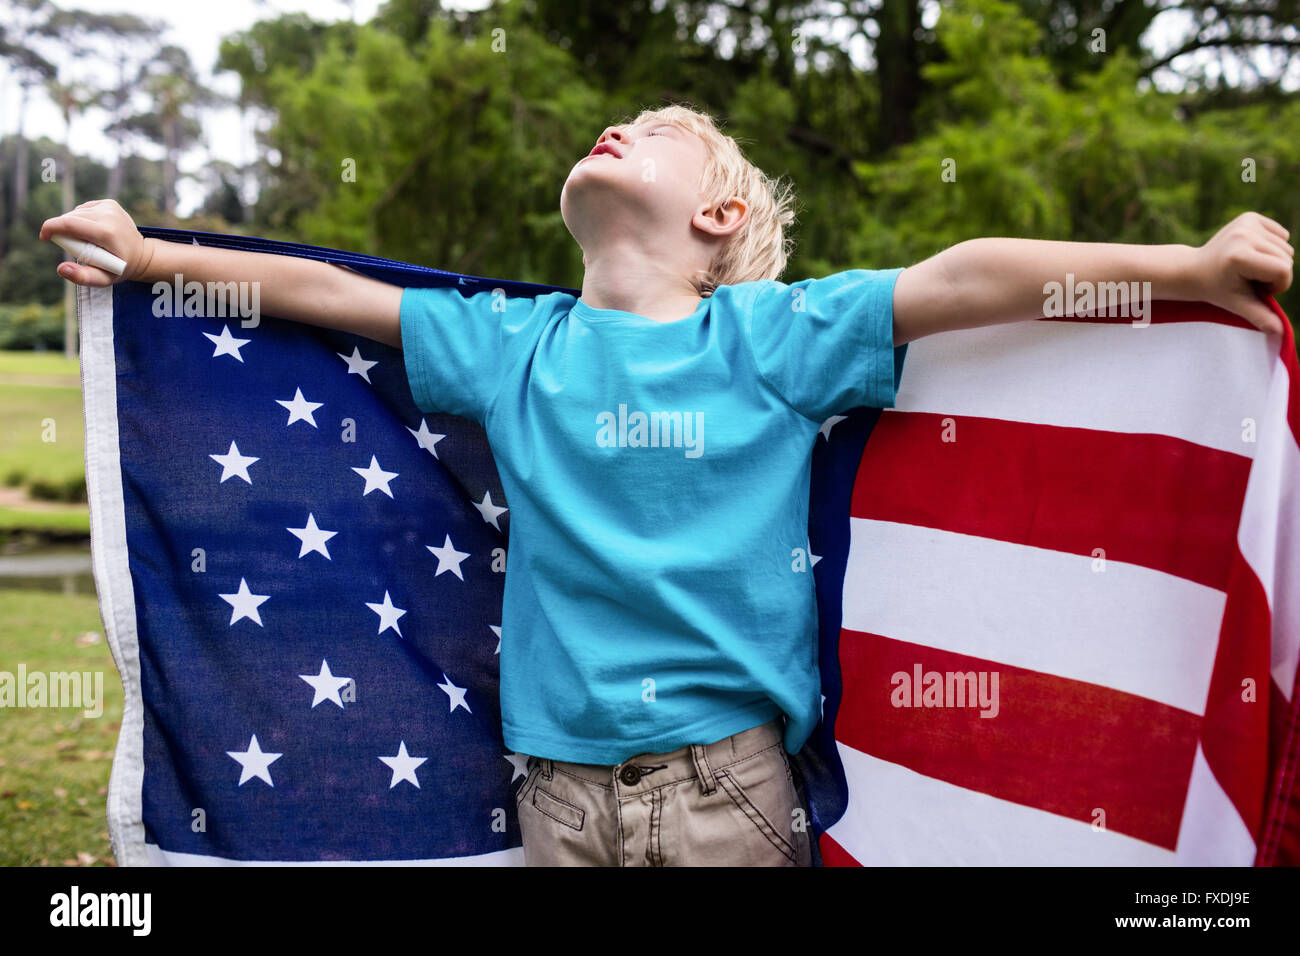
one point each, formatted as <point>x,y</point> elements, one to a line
<point>603,148</point>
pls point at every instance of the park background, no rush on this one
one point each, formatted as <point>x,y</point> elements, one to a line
<point>1131,121</point>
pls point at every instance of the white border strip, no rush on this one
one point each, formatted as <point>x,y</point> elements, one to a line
<point>111,568</point>
<point>160,857</point>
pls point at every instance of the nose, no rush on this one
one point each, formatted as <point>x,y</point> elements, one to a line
<point>612,133</point>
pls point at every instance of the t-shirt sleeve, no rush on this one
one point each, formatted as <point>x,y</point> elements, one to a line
<point>457,347</point>
<point>827,345</point>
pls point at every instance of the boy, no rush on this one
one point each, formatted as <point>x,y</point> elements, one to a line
<point>653,436</point>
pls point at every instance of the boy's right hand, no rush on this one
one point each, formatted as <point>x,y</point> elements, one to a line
<point>106,224</point>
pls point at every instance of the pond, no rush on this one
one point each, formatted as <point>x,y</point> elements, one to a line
<point>63,568</point>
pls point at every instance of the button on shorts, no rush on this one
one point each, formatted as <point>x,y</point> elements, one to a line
<point>729,803</point>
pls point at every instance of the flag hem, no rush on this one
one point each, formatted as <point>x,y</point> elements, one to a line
<point>110,566</point>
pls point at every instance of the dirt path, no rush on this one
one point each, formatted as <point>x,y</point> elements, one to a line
<point>11,497</point>
<point>42,381</point>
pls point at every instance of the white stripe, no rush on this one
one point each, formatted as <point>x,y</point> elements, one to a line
<point>897,817</point>
<point>160,857</point>
<point>1129,628</point>
<point>1191,380</point>
<point>1211,832</point>
<point>1270,523</point>
<point>109,563</point>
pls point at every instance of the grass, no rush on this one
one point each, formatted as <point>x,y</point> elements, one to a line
<point>55,762</point>
<point>51,364</point>
<point>42,434</point>
<point>74,519</point>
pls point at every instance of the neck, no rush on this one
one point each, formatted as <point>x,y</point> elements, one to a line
<point>631,280</point>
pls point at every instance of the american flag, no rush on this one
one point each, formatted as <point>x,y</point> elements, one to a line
<point>301,575</point>
<point>1092,526</point>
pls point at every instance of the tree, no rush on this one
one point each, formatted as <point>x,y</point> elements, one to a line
<point>176,95</point>
<point>30,20</point>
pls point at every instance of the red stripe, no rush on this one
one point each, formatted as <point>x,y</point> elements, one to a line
<point>1150,500</point>
<point>1280,843</point>
<point>1058,745</point>
<point>1162,312</point>
<point>833,854</point>
<point>1234,729</point>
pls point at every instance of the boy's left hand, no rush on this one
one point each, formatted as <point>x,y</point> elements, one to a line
<point>1248,256</point>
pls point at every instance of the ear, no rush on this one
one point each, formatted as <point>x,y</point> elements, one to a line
<point>722,219</point>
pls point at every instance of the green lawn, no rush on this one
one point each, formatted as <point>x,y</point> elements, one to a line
<point>39,363</point>
<point>55,762</point>
<point>74,519</point>
<point>42,428</point>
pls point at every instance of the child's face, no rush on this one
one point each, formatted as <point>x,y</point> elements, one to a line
<point>648,186</point>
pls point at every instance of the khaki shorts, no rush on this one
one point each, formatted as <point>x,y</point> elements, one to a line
<point>729,803</point>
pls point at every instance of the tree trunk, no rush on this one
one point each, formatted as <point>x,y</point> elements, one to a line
<point>899,72</point>
<point>69,288</point>
<point>20,157</point>
<point>169,170</point>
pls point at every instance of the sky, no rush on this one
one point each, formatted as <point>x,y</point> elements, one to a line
<point>198,27</point>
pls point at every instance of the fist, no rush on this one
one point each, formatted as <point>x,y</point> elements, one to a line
<point>106,224</point>
<point>1246,258</point>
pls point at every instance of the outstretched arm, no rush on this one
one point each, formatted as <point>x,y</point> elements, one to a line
<point>289,287</point>
<point>991,280</point>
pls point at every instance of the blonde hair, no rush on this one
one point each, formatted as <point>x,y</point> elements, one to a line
<point>760,248</point>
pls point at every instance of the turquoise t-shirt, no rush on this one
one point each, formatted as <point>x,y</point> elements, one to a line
<point>658,591</point>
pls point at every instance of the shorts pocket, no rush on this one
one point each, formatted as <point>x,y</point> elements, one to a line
<point>534,768</point>
<point>764,795</point>
<point>558,809</point>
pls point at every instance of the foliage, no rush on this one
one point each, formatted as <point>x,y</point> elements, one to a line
<point>461,128</point>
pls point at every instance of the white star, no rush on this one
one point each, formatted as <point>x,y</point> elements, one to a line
<point>226,343</point>
<point>356,364</point>
<point>456,694</point>
<point>254,762</point>
<point>375,477</point>
<point>496,628</point>
<point>815,558</point>
<point>449,558</point>
<point>388,615</point>
<point>825,430</point>
<point>312,537</point>
<point>403,766</point>
<point>489,511</point>
<point>245,603</point>
<point>326,685</point>
<point>520,763</point>
<point>426,439</point>
<point>300,409</point>
<point>233,464</point>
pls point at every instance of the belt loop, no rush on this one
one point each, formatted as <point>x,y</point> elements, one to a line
<point>702,770</point>
<point>547,767</point>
